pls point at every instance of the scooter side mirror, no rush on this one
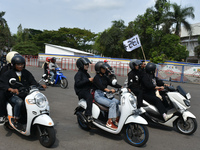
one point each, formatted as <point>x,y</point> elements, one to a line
<point>12,81</point>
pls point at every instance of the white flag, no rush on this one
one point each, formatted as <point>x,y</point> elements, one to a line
<point>132,43</point>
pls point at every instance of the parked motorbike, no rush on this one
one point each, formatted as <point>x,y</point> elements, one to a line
<point>130,123</point>
<point>59,78</point>
<point>36,116</point>
<point>179,103</point>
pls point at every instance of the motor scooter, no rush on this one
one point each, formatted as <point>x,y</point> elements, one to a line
<point>59,79</point>
<point>36,117</point>
<point>179,103</point>
<point>130,123</point>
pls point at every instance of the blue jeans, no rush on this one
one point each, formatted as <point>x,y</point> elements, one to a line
<point>17,101</point>
<point>52,76</point>
<point>111,103</point>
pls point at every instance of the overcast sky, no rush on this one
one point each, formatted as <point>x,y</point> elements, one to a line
<point>93,15</point>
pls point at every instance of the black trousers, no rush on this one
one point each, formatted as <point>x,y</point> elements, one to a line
<point>3,100</point>
<point>154,100</point>
<point>89,99</point>
<point>139,94</point>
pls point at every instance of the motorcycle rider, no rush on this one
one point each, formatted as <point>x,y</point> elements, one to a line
<point>52,68</point>
<point>83,84</point>
<point>23,76</point>
<point>134,81</point>
<point>46,68</point>
<point>5,68</point>
<point>150,84</point>
<point>101,81</point>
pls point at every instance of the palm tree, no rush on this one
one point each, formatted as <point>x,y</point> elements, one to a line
<point>179,16</point>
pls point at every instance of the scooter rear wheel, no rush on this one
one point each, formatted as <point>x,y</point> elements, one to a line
<point>47,137</point>
<point>188,127</point>
<point>63,83</point>
<point>136,134</point>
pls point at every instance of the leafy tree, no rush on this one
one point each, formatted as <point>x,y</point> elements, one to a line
<point>178,16</point>
<point>169,49</point>
<point>26,48</point>
<point>5,35</point>
<point>197,51</point>
<point>109,42</point>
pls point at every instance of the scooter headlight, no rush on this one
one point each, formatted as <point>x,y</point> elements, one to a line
<point>40,100</point>
<point>132,100</point>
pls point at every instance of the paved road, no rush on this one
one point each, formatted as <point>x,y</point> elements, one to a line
<point>71,137</point>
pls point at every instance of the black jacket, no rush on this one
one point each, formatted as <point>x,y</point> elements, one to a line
<point>134,79</point>
<point>27,80</point>
<point>5,68</point>
<point>82,82</point>
<point>101,82</point>
<point>149,82</point>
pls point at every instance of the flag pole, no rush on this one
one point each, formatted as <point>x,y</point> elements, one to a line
<point>143,53</point>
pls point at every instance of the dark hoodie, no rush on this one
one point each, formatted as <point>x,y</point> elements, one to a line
<point>102,81</point>
<point>134,79</point>
<point>82,82</point>
<point>27,80</point>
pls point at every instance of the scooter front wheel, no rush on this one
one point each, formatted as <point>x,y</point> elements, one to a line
<point>46,136</point>
<point>188,127</point>
<point>136,134</point>
<point>63,83</point>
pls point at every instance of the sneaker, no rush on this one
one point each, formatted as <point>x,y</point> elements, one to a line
<point>2,120</point>
<point>110,125</point>
<point>117,121</point>
<point>89,119</point>
<point>46,80</point>
<point>52,82</point>
<point>167,116</point>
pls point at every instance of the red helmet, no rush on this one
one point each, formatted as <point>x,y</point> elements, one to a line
<point>105,61</point>
<point>48,59</point>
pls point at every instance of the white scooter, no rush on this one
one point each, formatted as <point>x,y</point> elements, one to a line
<point>130,122</point>
<point>179,102</point>
<point>36,117</point>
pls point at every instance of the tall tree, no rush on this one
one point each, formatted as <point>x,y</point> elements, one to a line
<point>109,42</point>
<point>5,35</point>
<point>178,16</point>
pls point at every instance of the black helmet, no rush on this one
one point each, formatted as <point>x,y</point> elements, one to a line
<point>109,69</point>
<point>18,59</point>
<point>53,59</point>
<point>100,65</point>
<point>150,68</point>
<point>82,61</point>
<point>134,62</point>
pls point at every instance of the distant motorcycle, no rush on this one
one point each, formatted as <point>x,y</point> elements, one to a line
<point>59,78</point>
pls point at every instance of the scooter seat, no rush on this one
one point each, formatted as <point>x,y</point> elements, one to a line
<point>102,107</point>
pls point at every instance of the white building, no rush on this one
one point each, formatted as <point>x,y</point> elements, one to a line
<point>191,41</point>
<point>61,50</point>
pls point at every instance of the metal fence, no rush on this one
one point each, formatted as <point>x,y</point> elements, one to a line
<point>180,73</point>
<point>177,73</point>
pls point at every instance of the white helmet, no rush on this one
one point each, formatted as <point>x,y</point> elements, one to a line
<point>10,55</point>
